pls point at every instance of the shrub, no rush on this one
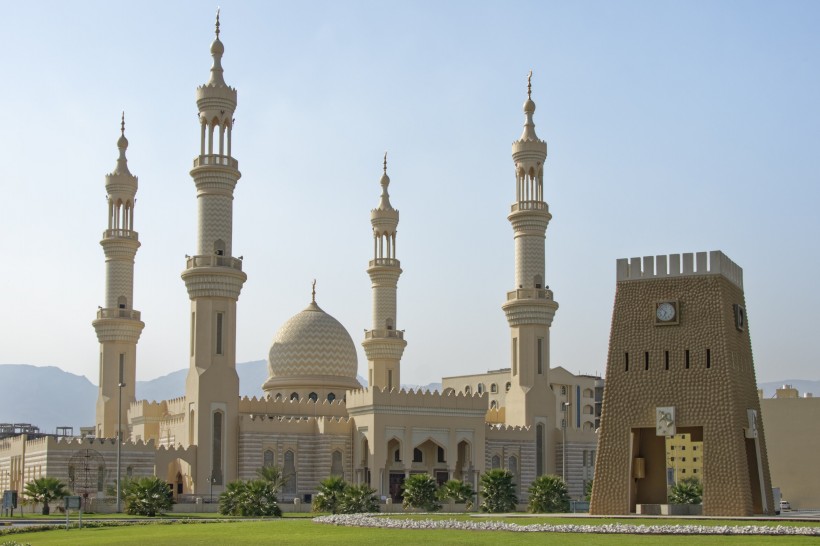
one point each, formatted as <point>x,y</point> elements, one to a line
<point>686,491</point>
<point>274,475</point>
<point>330,493</point>
<point>45,490</point>
<point>146,496</point>
<point>254,498</point>
<point>548,494</point>
<point>458,491</point>
<point>498,491</point>
<point>357,499</point>
<point>420,492</point>
<point>588,491</point>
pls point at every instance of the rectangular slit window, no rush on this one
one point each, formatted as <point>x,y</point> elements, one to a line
<point>193,332</point>
<point>626,362</point>
<point>540,344</point>
<point>666,359</point>
<point>708,358</point>
<point>646,361</point>
<point>219,333</point>
<point>686,358</point>
<point>515,356</point>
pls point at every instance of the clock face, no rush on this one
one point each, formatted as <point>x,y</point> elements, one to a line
<point>665,312</point>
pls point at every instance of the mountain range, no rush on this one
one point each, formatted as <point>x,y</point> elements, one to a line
<point>48,397</point>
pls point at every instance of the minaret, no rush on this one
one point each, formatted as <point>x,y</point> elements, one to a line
<point>118,325</point>
<point>383,343</point>
<point>529,307</point>
<point>214,279</point>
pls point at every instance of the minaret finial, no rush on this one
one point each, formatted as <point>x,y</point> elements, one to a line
<point>217,22</point>
<point>385,163</point>
<point>313,292</point>
<point>122,125</point>
<point>529,80</point>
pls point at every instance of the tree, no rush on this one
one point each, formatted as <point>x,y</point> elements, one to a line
<point>274,475</point>
<point>548,494</point>
<point>498,491</point>
<point>687,491</point>
<point>358,499</point>
<point>255,498</point>
<point>146,496</point>
<point>420,492</point>
<point>588,491</point>
<point>45,490</point>
<point>458,491</point>
<point>330,493</point>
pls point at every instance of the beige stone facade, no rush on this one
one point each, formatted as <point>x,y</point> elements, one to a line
<point>680,361</point>
<point>792,425</point>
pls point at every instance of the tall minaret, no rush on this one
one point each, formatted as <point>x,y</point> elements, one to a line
<point>383,343</point>
<point>530,307</point>
<point>214,279</point>
<point>118,325</point>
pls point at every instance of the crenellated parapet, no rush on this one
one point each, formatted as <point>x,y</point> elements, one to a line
<point>416,401</point>
<point>680,265</point>
<point>270,408</point>
<point>261,423</point>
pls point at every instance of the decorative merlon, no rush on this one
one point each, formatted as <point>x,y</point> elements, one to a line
<point>680,265</point>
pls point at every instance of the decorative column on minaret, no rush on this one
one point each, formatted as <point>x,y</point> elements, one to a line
<point>383,343</point>
<point>214,280</point>
<point>118,325</point>
<point>530,307</point>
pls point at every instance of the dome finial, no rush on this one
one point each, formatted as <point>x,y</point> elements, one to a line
<point>313,292</point>
<point>385,163</point>
<point>122,125</point>
<point>122,144</point>
<point>217,22</point>
<point>529,77</point>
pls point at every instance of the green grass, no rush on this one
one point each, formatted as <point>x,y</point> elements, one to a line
<point>304,531</point>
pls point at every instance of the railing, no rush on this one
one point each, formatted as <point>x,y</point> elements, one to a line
<point>216,159</point>
<point>116,312</point>
<point>384,261</point>
<point>530,293</point>
<point>213,260</point>
<point>529,205</point>
<point>119,233</point>
<point>380,334</point>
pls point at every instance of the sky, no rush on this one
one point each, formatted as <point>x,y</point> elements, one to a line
<point>671,127</point>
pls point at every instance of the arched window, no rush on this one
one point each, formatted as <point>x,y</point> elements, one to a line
<point>100,477</point>
<point>129,471</point>
<point>336,464</point>
<point>331,397</point>
<point>294,396</point>
<point>512,465</point>
<point>481,388</point>
<point>216,449</point>
<point>313,396</point>
<point>441,458</point>
<point>507,387</point>
<point>418,456</point>
<point>539,449</point>
<point>496,462</point>
<point>278,397</point>
<point>289,471</point>
<point>468,390</point>
<point>588,393</point>
<point>267,458</point>
<point>493,404</point>
<point>493,388</point>
<point>219,247</point>
<point>587,410</point>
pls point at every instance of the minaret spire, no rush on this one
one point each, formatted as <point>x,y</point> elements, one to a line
<point>313,292</point>
<point>214,279</point>
<point>118,325</point>
<point>530,306</point>
<point>383,343</point>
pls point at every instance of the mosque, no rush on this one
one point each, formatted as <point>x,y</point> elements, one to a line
<point>316,419</point>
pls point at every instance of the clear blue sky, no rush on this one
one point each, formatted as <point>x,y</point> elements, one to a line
<point>672,127</point>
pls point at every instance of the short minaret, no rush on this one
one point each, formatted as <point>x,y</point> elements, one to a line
<point>383,343</point>
<point>530,307</point>
<point>214,279</point>
<point>118,325</point>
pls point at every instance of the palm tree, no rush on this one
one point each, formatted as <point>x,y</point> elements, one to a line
<point>420,491</point>
<point>147,496</point>
<point>274,475</point>
<point>458,491</point>
<point>686,491</point>
<point>548,494</point>
<point>45,490</point>
<point>498,491</point>
<point>329,495</point>
<point>357,499</point>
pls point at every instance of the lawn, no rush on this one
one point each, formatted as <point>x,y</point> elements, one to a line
<point>304,531</point>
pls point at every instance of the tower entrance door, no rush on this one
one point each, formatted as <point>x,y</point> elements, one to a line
<point>397,486</point>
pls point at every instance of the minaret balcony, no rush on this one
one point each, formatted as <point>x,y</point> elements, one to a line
<point>216,159</point>
<point>529,205</point>
<point>116,312</point>
<point>120,234</point>
<point>392,262</point>
<point>213,260</point>
<point>384,334</point>
<point>530,294</point>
